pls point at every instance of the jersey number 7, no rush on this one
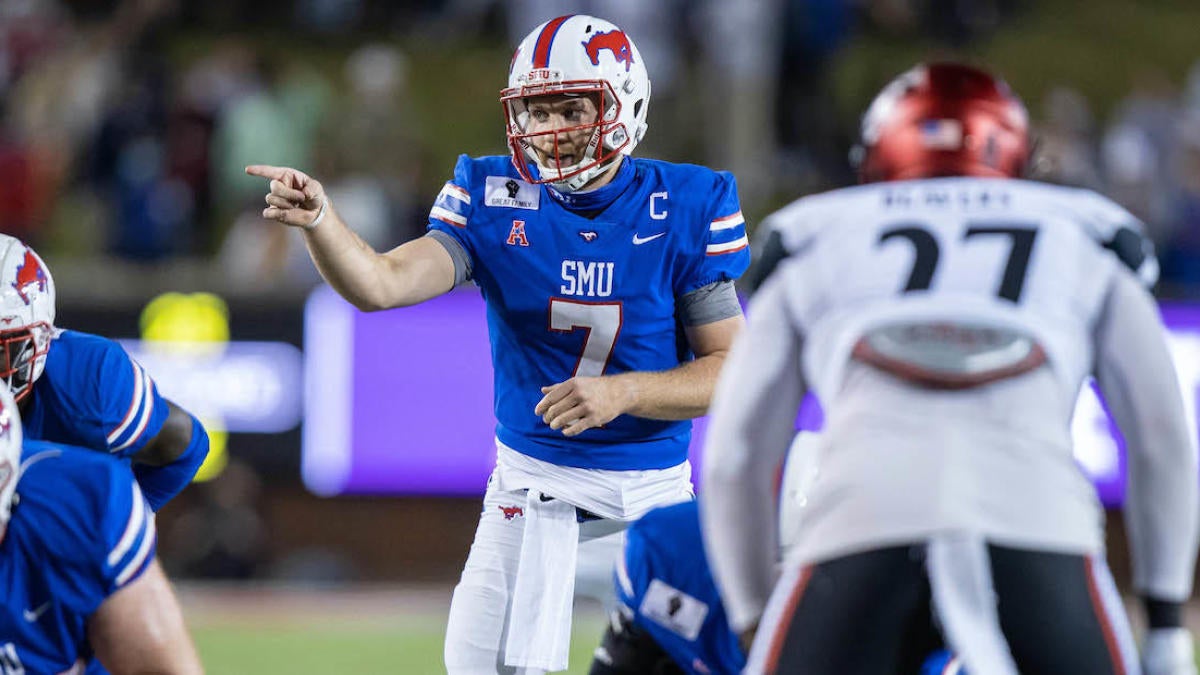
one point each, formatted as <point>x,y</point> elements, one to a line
<point>601,323</point>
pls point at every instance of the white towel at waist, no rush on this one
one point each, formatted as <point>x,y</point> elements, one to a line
<point>623,495</point>
<point>539,628</point>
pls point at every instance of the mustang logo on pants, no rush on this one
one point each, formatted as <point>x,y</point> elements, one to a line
<point>511,512</point>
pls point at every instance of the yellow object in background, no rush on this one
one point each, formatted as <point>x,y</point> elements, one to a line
<point>192,325</point>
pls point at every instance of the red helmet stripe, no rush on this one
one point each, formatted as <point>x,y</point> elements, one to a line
<point>541,51</point>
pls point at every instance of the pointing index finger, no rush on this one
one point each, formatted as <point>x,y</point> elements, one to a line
<point>267,171</point>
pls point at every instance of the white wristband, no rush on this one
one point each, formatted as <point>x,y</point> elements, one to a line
<point>320,214</point>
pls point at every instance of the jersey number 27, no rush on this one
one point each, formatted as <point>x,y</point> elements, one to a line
<point>926,254</point>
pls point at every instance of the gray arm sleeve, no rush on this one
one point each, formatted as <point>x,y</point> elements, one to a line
<point>753,414</point>
<point>709,303</point>
<point>1139,383</point>
<point>462,260</point>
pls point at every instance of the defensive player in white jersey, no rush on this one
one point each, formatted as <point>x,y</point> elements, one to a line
<point>610,307</point>
<point>946,315</point>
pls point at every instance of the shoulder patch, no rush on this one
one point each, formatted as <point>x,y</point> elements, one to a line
<point>673,609</point>
<point>511,193</point>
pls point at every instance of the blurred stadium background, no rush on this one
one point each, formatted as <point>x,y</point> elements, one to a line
<point>350,451</point>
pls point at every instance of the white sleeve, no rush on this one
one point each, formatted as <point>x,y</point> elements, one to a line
<point>1139,383</point>
<point>753,421</point>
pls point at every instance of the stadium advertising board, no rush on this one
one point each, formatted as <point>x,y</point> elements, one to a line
<point>400,402</point>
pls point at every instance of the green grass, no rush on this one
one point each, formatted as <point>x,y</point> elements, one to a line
<point>343,646</point>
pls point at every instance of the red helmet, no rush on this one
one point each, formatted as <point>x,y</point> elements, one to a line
<point>944,119</point>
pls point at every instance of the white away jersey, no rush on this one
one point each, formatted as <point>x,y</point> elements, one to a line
<point>1033,266</point>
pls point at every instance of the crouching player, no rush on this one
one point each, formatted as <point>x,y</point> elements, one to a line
<point>670,618</point>
<point>78,565</point>
<point>85,390</point>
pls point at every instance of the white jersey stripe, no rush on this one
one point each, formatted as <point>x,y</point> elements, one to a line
<point>623,576</point>
<point>144,418</point>
<point>448,216</point>
<point>134,405</point>
<point>143,552</point>
<point>455,192</point>
<point>137,519</point>
<point>728,247</point>
<point>727,223</point>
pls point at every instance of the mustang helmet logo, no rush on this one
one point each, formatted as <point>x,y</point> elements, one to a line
<point>29,273</point>
<point>615,42</point>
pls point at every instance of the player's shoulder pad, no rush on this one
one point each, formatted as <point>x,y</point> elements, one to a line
<point>791,230</point>
<point>74,352</point>
<point>67,493</point>
<point>666,526</point>
<point>471,172</point>
<point>1108,224</point>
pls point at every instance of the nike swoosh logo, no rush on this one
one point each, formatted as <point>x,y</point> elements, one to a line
<point>32,615</point>
<point>641,240</point>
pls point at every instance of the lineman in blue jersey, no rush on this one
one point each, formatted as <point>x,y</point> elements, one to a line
<point>610,306</point>
<point>77,565</point>
<point>669,618</point>
<point>85,390</point>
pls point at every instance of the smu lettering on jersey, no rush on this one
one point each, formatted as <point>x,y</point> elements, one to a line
<point>80,532</point>
<point>568,295</point>
<point>93,395</point>
<point>664,583</point>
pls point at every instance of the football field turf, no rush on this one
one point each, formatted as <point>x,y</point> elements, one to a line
<point>367,631</point>
<point>256,630</point>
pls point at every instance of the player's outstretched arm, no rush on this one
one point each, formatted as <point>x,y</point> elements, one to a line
<point>408,274</point>
<point>1162,513</point>
<point>139,630</point>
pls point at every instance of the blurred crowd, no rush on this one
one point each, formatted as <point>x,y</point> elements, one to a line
<point>124,125</point>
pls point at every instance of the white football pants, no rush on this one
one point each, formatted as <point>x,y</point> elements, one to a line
<point>479,611</point>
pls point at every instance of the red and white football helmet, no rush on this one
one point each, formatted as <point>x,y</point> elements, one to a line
<point>26,315</point>
<point>944,119</point>
<point>577,55</point>
<point>10,454</point>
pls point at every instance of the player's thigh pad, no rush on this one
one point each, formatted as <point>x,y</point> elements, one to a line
<point>862,613</point>
<point>479,608</point>
<point>1061,613</point>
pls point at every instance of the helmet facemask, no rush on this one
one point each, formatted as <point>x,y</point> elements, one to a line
<point>10,455</point>
<point>590,147</point>
<point>23,356</point>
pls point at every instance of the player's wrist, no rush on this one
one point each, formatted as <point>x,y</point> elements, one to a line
<point>320,215</point>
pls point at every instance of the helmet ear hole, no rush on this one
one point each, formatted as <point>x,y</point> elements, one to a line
<point>637,106</point>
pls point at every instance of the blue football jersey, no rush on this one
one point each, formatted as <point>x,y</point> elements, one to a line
<point>568,295</point>
<point>92,394</point>
<point>80,531</point>
<point>664,582</point>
